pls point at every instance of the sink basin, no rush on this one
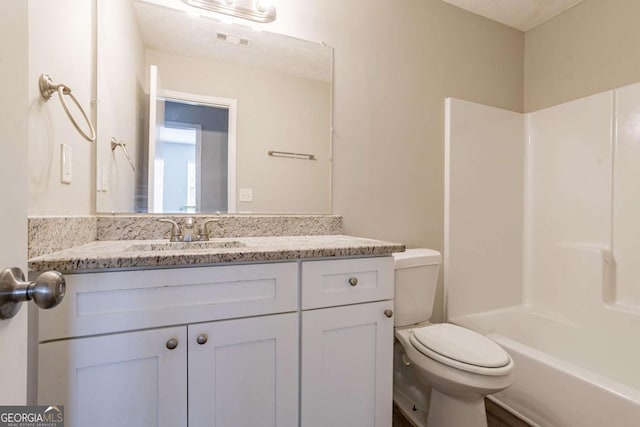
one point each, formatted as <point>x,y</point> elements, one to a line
<point>185,246</point>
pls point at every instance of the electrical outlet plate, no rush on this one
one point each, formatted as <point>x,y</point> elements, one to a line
<point>246,194</point>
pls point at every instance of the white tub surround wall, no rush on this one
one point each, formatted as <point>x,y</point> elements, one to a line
<point>626,196</point>
<point>568,206</point>
<point>577,298</point>
<point>484,173</point>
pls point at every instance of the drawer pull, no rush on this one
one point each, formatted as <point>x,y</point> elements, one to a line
<point>353,281</point>
<point>388,313</point>
<point>202,339</point>
<point>172,344</point>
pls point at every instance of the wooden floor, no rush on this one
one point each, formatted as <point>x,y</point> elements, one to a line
<point>496,417</point>
<point>399,420</point>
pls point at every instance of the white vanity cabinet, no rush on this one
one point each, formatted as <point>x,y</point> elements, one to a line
<point>245,372</point>
<point>128,379</point>
<point>347,351</point>
<point>160,374</point>
<point>301,343</point>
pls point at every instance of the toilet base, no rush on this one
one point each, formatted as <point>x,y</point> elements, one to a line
<point>451,411</point>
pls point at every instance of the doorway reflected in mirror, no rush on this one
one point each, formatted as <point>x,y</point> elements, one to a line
<point>191,162</point>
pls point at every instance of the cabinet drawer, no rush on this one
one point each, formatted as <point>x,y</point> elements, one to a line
<point>341,282</point>
<point>99,303</point>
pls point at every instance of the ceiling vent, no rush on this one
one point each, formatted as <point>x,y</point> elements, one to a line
<point>231,39</point>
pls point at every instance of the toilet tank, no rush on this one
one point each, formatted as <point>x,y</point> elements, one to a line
<point>416,278</point>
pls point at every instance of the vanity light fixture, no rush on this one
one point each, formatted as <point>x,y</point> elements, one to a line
<point>253,10</point>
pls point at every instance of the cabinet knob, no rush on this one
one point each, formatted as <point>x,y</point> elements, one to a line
<point>388,313</point>
<point>353,281</point>
<point>172,344</point>
<point>202,339</point>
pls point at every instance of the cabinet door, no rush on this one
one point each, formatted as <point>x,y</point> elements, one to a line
<point>347,365</point>
<point>130,379</point>
<point>245,374</point>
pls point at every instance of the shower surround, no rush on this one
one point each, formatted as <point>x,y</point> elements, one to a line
<point>542,250</point>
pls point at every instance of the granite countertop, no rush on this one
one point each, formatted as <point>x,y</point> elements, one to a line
<point>127,254</point>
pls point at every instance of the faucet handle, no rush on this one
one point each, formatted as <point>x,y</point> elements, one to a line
<point>176,234</point>
<point>204,234</point>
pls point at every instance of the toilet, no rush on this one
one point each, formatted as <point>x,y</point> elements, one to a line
<point>442,372</point>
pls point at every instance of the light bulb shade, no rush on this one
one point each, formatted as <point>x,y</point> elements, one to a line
<point>245,9</point>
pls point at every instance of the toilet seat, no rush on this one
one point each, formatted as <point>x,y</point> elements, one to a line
<point>462,349</point>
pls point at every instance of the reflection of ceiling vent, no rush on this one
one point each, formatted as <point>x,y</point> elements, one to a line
<point>235,40</point>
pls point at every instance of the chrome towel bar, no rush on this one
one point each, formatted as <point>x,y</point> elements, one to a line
<point>48,88</point>
<point>290,155</point>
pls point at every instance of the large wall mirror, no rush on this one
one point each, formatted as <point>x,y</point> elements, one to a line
<point>196,115</point>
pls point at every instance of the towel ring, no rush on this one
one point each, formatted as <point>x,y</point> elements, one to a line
<point>47,89</point>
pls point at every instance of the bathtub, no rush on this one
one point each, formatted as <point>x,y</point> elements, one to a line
<point>568,375</point>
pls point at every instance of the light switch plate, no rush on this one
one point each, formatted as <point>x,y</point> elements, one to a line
<point>246,194</point>
<point>66,161</point>
<point>105,178</point>
<point>98,176</point>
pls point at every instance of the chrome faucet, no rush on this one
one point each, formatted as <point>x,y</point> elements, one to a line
<point>203,233</point>
<point>176,233</point>
<point>190,231</point>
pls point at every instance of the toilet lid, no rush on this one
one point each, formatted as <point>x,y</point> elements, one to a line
<point>461,344</point>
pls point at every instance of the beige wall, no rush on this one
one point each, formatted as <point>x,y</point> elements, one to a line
<point>121,100</point>
<point>65,52</point>
<point>276,111</point>
<point>394,66</point>
<point>13,209</point>
<point>588,49</point>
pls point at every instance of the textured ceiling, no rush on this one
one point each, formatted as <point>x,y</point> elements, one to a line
<point>520,14</point>
<point>165,26</point>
